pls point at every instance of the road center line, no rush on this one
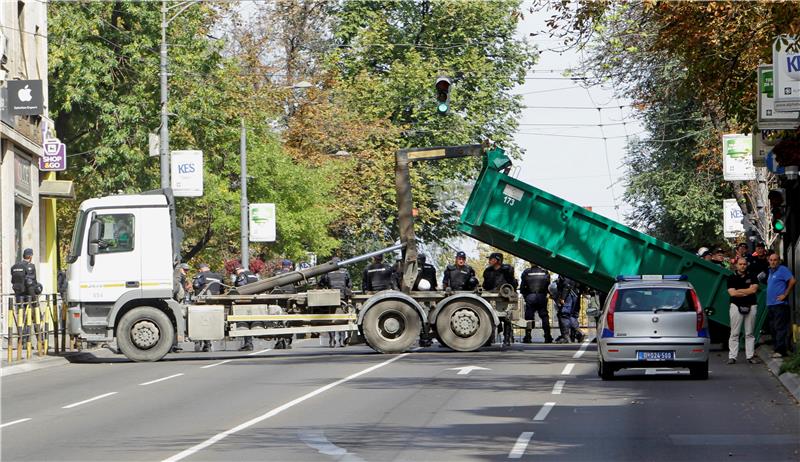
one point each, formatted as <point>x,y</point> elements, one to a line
<point>276,411</point>
<point>542,414</point>
<point>568,369</point>
<point>520,446</point>
<point>162,379</point>
<point>582,349</point>
<point>558,387</point>
<point>88,400</point>
<point>216,364</point>
<point>259,352</point>
<point>14,422</point>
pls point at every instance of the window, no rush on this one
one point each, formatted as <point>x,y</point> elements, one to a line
<point>653,298</point>
<point>116,233</point>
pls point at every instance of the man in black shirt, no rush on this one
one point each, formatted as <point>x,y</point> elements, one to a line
<point>742,287</point>
<point>459,276</point>
<point>378,276</point>
<point>206,282</point>
<point>495,276</point>
<point>426,272</point>
<point>533,286</point>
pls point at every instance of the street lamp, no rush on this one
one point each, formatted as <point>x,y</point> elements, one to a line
<point>164,137</point>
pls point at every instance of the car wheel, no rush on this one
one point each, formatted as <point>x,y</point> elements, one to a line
<point>699,372</point>
<point>605,371</point>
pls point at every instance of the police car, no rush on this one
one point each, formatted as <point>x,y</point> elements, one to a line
<point>652,321</point>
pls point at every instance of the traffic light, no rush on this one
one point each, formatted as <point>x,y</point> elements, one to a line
<point>443,94</point>
<point>777,203</point>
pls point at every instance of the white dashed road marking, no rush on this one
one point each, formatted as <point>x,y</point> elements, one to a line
<point>161,379</point>
<point>216,364</point>
<point>14,422</point>
<point>520,446</point>
<point>568,369</point>
<point>88,400</point>
<point>558,387</point>
<point>582,349</point>
<point>219,436</point>
<point>542,414</point>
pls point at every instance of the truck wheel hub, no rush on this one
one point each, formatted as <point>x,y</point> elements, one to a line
<point>145,334</point>
<point>464,323</point>
<point>391,326</point>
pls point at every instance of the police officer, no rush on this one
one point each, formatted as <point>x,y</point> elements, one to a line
<point>338,279</point>
<point>459,276</point>
<point>378,276</point>
<point>284,342</point>
<point>533,286</point>
<point>244,277</point>
<point>210,283</point>
<point>426,272</point>
<point>26,287</point>
<point>495,276</point>
<point>568,307</point>
<point>179,294</point>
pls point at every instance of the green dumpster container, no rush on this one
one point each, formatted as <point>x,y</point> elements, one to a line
<point>571,240</point>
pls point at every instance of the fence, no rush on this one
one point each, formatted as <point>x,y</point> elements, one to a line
<point>34,326</point>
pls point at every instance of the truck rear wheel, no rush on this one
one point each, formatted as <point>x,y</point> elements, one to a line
<point>145,334</point>
<point>391,326</point>
<point>464,325</point>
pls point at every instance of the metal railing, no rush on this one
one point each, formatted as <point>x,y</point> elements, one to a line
<point>34,326</point>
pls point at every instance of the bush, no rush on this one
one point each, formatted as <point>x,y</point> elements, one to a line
<point>791,363</point>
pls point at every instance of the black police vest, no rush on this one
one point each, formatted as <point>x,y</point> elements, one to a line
<point>246,277</point>
<point>338,279</point>
<point>536,280</point>
<point>459,277</point>
<point>18,273</point>
<point>213,280</point>
<point>379,276</point>
<point>494,278</point>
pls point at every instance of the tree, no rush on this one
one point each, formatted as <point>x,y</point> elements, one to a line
<point>690,69</point>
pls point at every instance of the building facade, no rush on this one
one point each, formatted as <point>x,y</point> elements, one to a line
<point>27,195</point>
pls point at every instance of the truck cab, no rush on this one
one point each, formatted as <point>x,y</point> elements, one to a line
<point>121,257</point>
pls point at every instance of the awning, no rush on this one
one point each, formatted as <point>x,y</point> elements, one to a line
<point>57,189</point>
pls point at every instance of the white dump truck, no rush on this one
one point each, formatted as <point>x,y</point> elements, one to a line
<point>121,262</point>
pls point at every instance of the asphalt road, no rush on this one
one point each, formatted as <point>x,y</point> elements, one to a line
<point>349,404</point>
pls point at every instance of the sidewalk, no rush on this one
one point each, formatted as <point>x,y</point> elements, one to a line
<point>789,380</point>
<point>41,362</point>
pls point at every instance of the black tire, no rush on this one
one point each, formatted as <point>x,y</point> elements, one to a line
<point>605,371</point>
<point>391,326</point>
<point>699,372</point>
<point>472,321</point>
<point>145,334</point>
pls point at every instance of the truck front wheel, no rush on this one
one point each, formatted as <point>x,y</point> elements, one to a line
<point>464,325</point>
<point>145,334</point>
<point>391,326</point>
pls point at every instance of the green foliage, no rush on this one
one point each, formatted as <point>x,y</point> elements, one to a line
<point>791,363</point>
<point>104,94</point>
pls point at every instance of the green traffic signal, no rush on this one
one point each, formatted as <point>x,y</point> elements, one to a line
<point>443,94</point>
<point>442,108</point>
<point>778,226</point>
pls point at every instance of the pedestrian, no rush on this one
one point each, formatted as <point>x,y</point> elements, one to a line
<point>206,282</point>
<point>780,283</point>
<point>718,257</point>
<point>568,307</point>
<point>740,251</point>
<point>757,262</point>
<point>742,287</point>
<point>459,276</point>
<point>495,276</point>
<point>179,294</point>
<point>533,286</point>
<point>378,276</point>
<point>707,255</point>
<point>338,279</point>
<point>242,278</point>
<point>26,289</point>
<point>426,272</point>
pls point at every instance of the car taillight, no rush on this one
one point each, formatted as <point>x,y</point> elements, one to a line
<point>609,329</point>
<point>699,310</point>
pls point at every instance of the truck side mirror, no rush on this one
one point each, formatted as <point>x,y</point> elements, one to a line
<point>94,240</point>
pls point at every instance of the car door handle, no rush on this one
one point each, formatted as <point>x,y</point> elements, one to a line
<point>131,284</point>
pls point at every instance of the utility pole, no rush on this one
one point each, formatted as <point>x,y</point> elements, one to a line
<point>243,200</point>
<point>164,138</point>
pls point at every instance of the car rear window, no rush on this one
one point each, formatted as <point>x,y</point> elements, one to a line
<point>654,298</point>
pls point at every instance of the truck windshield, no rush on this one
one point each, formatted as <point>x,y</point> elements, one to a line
<point>77,237</point>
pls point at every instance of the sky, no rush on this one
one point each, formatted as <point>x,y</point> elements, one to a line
<point>565,153</point>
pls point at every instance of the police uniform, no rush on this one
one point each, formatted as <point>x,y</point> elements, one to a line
<point>459,278</point>
<point>568,292</point>
<point>288,288</point>
<point>212,283</point>
<point>339,279</point>
<point>242,279</point>
<point>378,276</point>
<point>427,272</point>
<point>284,342</point>
<point>533,286</point>
<point>493,279</point>
<point>26,288</point>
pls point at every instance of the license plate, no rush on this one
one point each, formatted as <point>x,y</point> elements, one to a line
<point>655,355</point>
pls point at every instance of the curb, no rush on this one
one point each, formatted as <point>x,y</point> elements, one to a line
<point>789,380</point>
<point>36,364</point>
